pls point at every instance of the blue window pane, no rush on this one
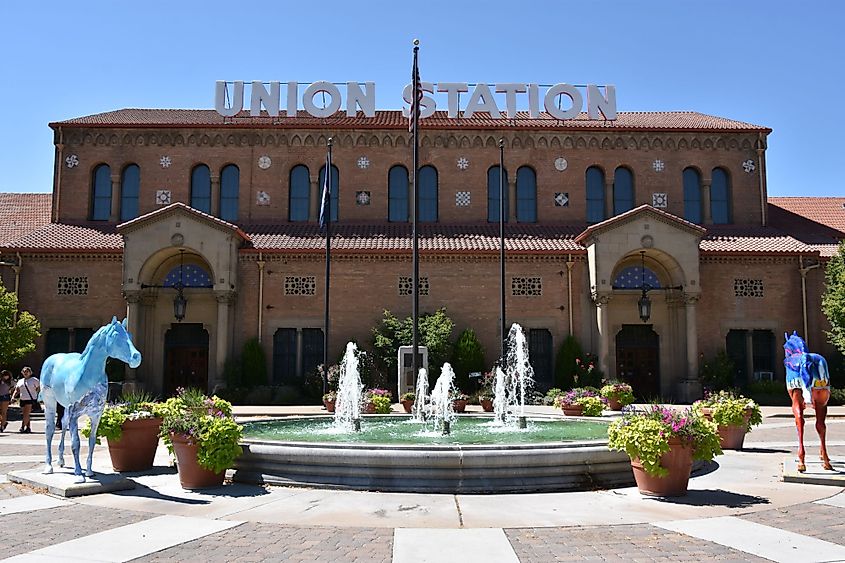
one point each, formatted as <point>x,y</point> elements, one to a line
<point>101,190</point>
<point>230,179</point>
<point>299,200</point>
<point>191,275</point>
<point>493,194</point>
<point>526,195</point>
<point>595,195</point>
<point>335,188</point>
<point>623,191</point>
<point>692,195</point>
<point>397,194</point>
<point>428,194</point>
<point>720,197</point>
<point>201,189</point>
<point>633,277</point>
<point>130,188</point>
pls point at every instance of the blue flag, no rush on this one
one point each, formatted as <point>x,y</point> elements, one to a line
<point>325,201</point>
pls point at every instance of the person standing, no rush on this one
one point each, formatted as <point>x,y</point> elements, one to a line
<point>6,386</point>
<point>27,389</point>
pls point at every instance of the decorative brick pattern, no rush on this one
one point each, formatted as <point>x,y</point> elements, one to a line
<point>73,285</point>
<point>406,288</point>
<point>748,288</point>
<point>462,199</point>
<point>527,286</point>
<point>300,285</point>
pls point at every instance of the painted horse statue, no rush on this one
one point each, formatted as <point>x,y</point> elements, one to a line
<point>79,382</point>
<point>807,382</point>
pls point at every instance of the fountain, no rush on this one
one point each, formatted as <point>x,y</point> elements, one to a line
<point>467,454</point>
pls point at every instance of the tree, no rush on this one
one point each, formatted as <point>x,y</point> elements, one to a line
<point>253,364</point>
<point>17,339</point>
<point>468,357</point>
<point>435,329</point>
<point>833,300</point>
<point>566,365</point>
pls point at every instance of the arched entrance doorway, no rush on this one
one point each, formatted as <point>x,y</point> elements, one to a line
<point>185,357</point>
<point>638,359</point>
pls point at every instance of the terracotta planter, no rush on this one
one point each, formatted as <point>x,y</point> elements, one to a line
<point>136,448</point>
<point>572,410</point>
<point>459,405</point>
<point>329,405</point>
<point>678,460</point>
<point>486,404</point>
<point>191,475</point>
<point>369,408</point>
<point>407,405</point>
<point>730,437</point>
<point>614,405</point>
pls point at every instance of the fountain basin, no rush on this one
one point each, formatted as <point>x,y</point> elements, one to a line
<point>435,468</point>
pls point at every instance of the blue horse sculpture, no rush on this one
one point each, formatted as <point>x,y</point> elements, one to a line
<point>807,382</point>
<point>79,382</point>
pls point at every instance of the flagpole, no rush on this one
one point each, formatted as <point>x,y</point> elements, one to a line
<point>327,209</point>
<point>415,109</point>
<point>502,244</point>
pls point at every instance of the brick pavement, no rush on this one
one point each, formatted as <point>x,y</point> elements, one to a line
<point>820,521</point>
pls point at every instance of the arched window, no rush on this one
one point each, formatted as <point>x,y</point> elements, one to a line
<point>526,195</point>
<point>299,193</point>
<point>189,275</point>
<point>595,194</point>
<point>623,190</point>
<point>201,188</point>
<point>720,196</point>
<point>427,179</point>
<point>493,194</point>
<point>230,179</point>
<point>101,193</point>
<point>633,277</point>
<point>692,195</point>
<point>397,194</point>
<point>130,188</point>
<point>335,188</point>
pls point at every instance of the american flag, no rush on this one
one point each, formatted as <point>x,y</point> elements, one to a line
<point>417,94</point>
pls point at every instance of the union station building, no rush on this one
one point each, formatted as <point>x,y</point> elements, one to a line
<point>220,214</point>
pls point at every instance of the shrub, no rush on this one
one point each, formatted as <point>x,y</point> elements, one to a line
<point>592,406</point>
<point>716,373</point>
<point>565,367</point>
<point>253,364</point>
<point>409,396</point>
<point>380,398</point>
<point>434,333</point>
<point>621,392</point>
<point>468,357</point>
<point>571,396</point>
<point>551,395</point>
<point>130,406</point>
<point>729,409</point>
<point>586,372</point>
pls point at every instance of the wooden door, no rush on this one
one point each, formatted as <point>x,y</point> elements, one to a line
<point>638,360</point>
<point>187,367</point>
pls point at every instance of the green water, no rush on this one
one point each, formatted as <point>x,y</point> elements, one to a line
<point>399,430</point>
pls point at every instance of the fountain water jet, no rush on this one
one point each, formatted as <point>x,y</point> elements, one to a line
<point>441,399</point>
<point>347,414</point>
<point>418,411</point>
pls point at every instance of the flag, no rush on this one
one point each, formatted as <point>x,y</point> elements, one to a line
<point>325,202</point>
<point>417,94</point>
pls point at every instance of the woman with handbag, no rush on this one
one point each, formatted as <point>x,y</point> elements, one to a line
<point>6,386</point>
<point>27,389</point>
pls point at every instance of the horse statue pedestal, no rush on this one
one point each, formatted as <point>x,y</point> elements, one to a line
<point>63,483</point>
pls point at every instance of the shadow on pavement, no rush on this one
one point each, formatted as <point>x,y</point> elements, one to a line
<point>238,490</point>
<point>766,450</point>
<point>716,497</point>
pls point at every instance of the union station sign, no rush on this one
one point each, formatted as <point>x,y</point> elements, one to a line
<point>560,101</point>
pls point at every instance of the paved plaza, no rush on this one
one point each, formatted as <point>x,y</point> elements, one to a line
<point>738,509</point>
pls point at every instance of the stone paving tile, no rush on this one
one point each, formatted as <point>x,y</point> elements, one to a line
<point>12,490</point>
<point>27,531</point>
<point>636,542</point>
<point>810,519</point>
<point>254,542</point>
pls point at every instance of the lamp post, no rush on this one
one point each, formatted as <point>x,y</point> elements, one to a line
<point>644,303</point>
<point>180,302</point>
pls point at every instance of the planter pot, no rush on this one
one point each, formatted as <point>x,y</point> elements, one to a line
<point>329,405</point>
<point>614,405</point>
<point>572,410</point>
<point>191,475</point>
<point>407,405</point>
<point>369,408</point>
<point>486,404</point>
<point>459,405</point>
<point>678,460</point>
<point>136,448</point>
<point>730,437</point>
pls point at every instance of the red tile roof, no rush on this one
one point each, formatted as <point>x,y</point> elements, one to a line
<point>64,237</point>
<point>22,213</point>
<point>179,207</point>
<point>631,214</point>
<point>730,239</point>
<point>827,211</point>
<point>393,119</point>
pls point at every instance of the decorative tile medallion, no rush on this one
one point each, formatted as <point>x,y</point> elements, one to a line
<point>72,161</point>
<point>162,197</point>
<point>560,164</point>
<point>462,199</point>
<point>264,162</point>
<point>165,161</point>
<point>749,166</point>
<point>659,200</point>
<point>658,165</point>
<point>363,163</point>
<point>362,198</point>
<point>262,198</point>
<point>463,163</point>
<point>561,199</point>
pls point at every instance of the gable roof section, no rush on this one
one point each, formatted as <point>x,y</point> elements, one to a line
<point>636,213</point>
<point>800,213</point>
<point>182,209</point>
<point>393,119</point>
<point>21,214</point>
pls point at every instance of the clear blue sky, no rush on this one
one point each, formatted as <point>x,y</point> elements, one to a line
<point>771,63</point>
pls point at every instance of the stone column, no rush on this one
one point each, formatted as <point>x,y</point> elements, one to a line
<point>313,210</point>
<point>691,386</point>
<point>224,300</point>
<point>602,302</point>
<point>705,202</point>
<point>511,203</point>
<point>608,200</point>
<point>114,214</point>
<point>133,309</point>
<point>749,356</point>
<point>215,196</point>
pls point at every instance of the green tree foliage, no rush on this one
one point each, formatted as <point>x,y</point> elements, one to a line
<point>833,300</point>
<point>253,364</point>
<point>565,364</point>
<point>717,373</point>
<point>435,330</point>
<point>468,357</point>
<point>17,339</point>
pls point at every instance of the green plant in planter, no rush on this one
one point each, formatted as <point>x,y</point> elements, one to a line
<point>621,392</point>
<point>130,406</point>
<point>645,434</point>
<point>380,398</point>
<point>409,396</point>
<point>207,422</point>
<point>330,397</point>
<point>730,409</point>
<point>592,406</point>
